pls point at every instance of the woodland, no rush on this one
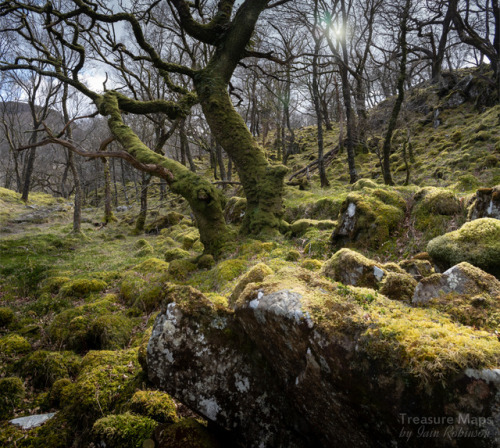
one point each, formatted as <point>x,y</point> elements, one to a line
<point>252,223</point>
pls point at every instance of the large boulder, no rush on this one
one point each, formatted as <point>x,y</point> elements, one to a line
<point>486,203</point>
<point>368,217</point>
<point>301,361</point>
<point>352,268</point>
<point>466,293</point>
<point>477,242</point>
<point>201,356</point>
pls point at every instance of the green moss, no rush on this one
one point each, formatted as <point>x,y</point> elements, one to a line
<point>377,214</point>
<point>164,222</point>
<point>6,316</point>
<point>364,184</point>
<point>12,345</point>
<point>176,254</point>
<point>143,347</point>
<point>56,391</point>
<point>43,368</point>
<point>351,268</point>
<point>98,325</point>
<point>54,284</point>
<point>256,274</point>
<point>422,344</point>
<point>317,243</point>
<point>82,286</point>
<point>145,249</point>
<point>228,270</point>
<point>188,433</point>
<point>154,404</point>
<point>151,265</point>
<point>293,255</point>
<point>298,228</point>
<point>398,286</point>
<point>311,264</point>
<point>205,262</point>
<point>477,242</point>
<point>180,269</point>
<point>11,395</point>
<point>106,383</point>
<point>235,210</point>
<point>123,430</point>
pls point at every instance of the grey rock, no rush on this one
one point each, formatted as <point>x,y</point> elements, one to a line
<point>32,421</point>
<point>460,279</point>
<point>486,203</point>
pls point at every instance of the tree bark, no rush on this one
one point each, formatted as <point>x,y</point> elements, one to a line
<point>204,199</point>
<point>262,183</point>
<point>400,98</point>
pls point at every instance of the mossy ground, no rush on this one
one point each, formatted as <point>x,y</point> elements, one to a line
<point>76,310</point>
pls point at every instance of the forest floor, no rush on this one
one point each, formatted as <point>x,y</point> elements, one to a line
<point>77,311</point>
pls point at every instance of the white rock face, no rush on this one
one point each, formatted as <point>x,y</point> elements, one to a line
<point>32,421</point>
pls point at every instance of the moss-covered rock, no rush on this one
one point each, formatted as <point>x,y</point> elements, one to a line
<point>435,210</point>
<point>364,184</point>
<point>82,287</point>
<point>398,286</point>
<point>43,368</point>
<point>6,316</point>
<point>106,383</point>
<point>145,250</point>
<point>54,284</point>
<point>123,430</point>
<point>417,268</point>
<point>151,265</point>
<point>11,394</point>
<point>228,270</point>
<point>176,254</point>
<point>317,243</point>
<point>234,211</point>
<point>12,345</point>
<point>56,391</point>
<point>476,242</point>
<point>154,404</point>
<point>299,227</point>
<point>180,269</point>
<point>352,268</point>
<point>144,292</point>
<point>311,264</point>
<point>485,204</point>
<point>368,217</point>
<point>256,274</point>
<point>97,325</point>
<point>188,433</point>
<point>164,222</point>
<point>143,347</point>
<point>206,261</point>
<point>293,255</point>
<point>466,293</point>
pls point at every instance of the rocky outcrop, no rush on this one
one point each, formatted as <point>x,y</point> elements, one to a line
<point>486,203</point>
<point>368,217</point>
<point>463,279</point>
<point>301,361</point>
<point>476,242</point>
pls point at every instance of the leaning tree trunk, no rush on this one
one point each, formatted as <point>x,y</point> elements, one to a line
<point>262,182</point>
<point>204,199</point>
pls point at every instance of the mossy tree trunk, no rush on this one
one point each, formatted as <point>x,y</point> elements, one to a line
<point>262,182</point>
<point>205,200</point>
